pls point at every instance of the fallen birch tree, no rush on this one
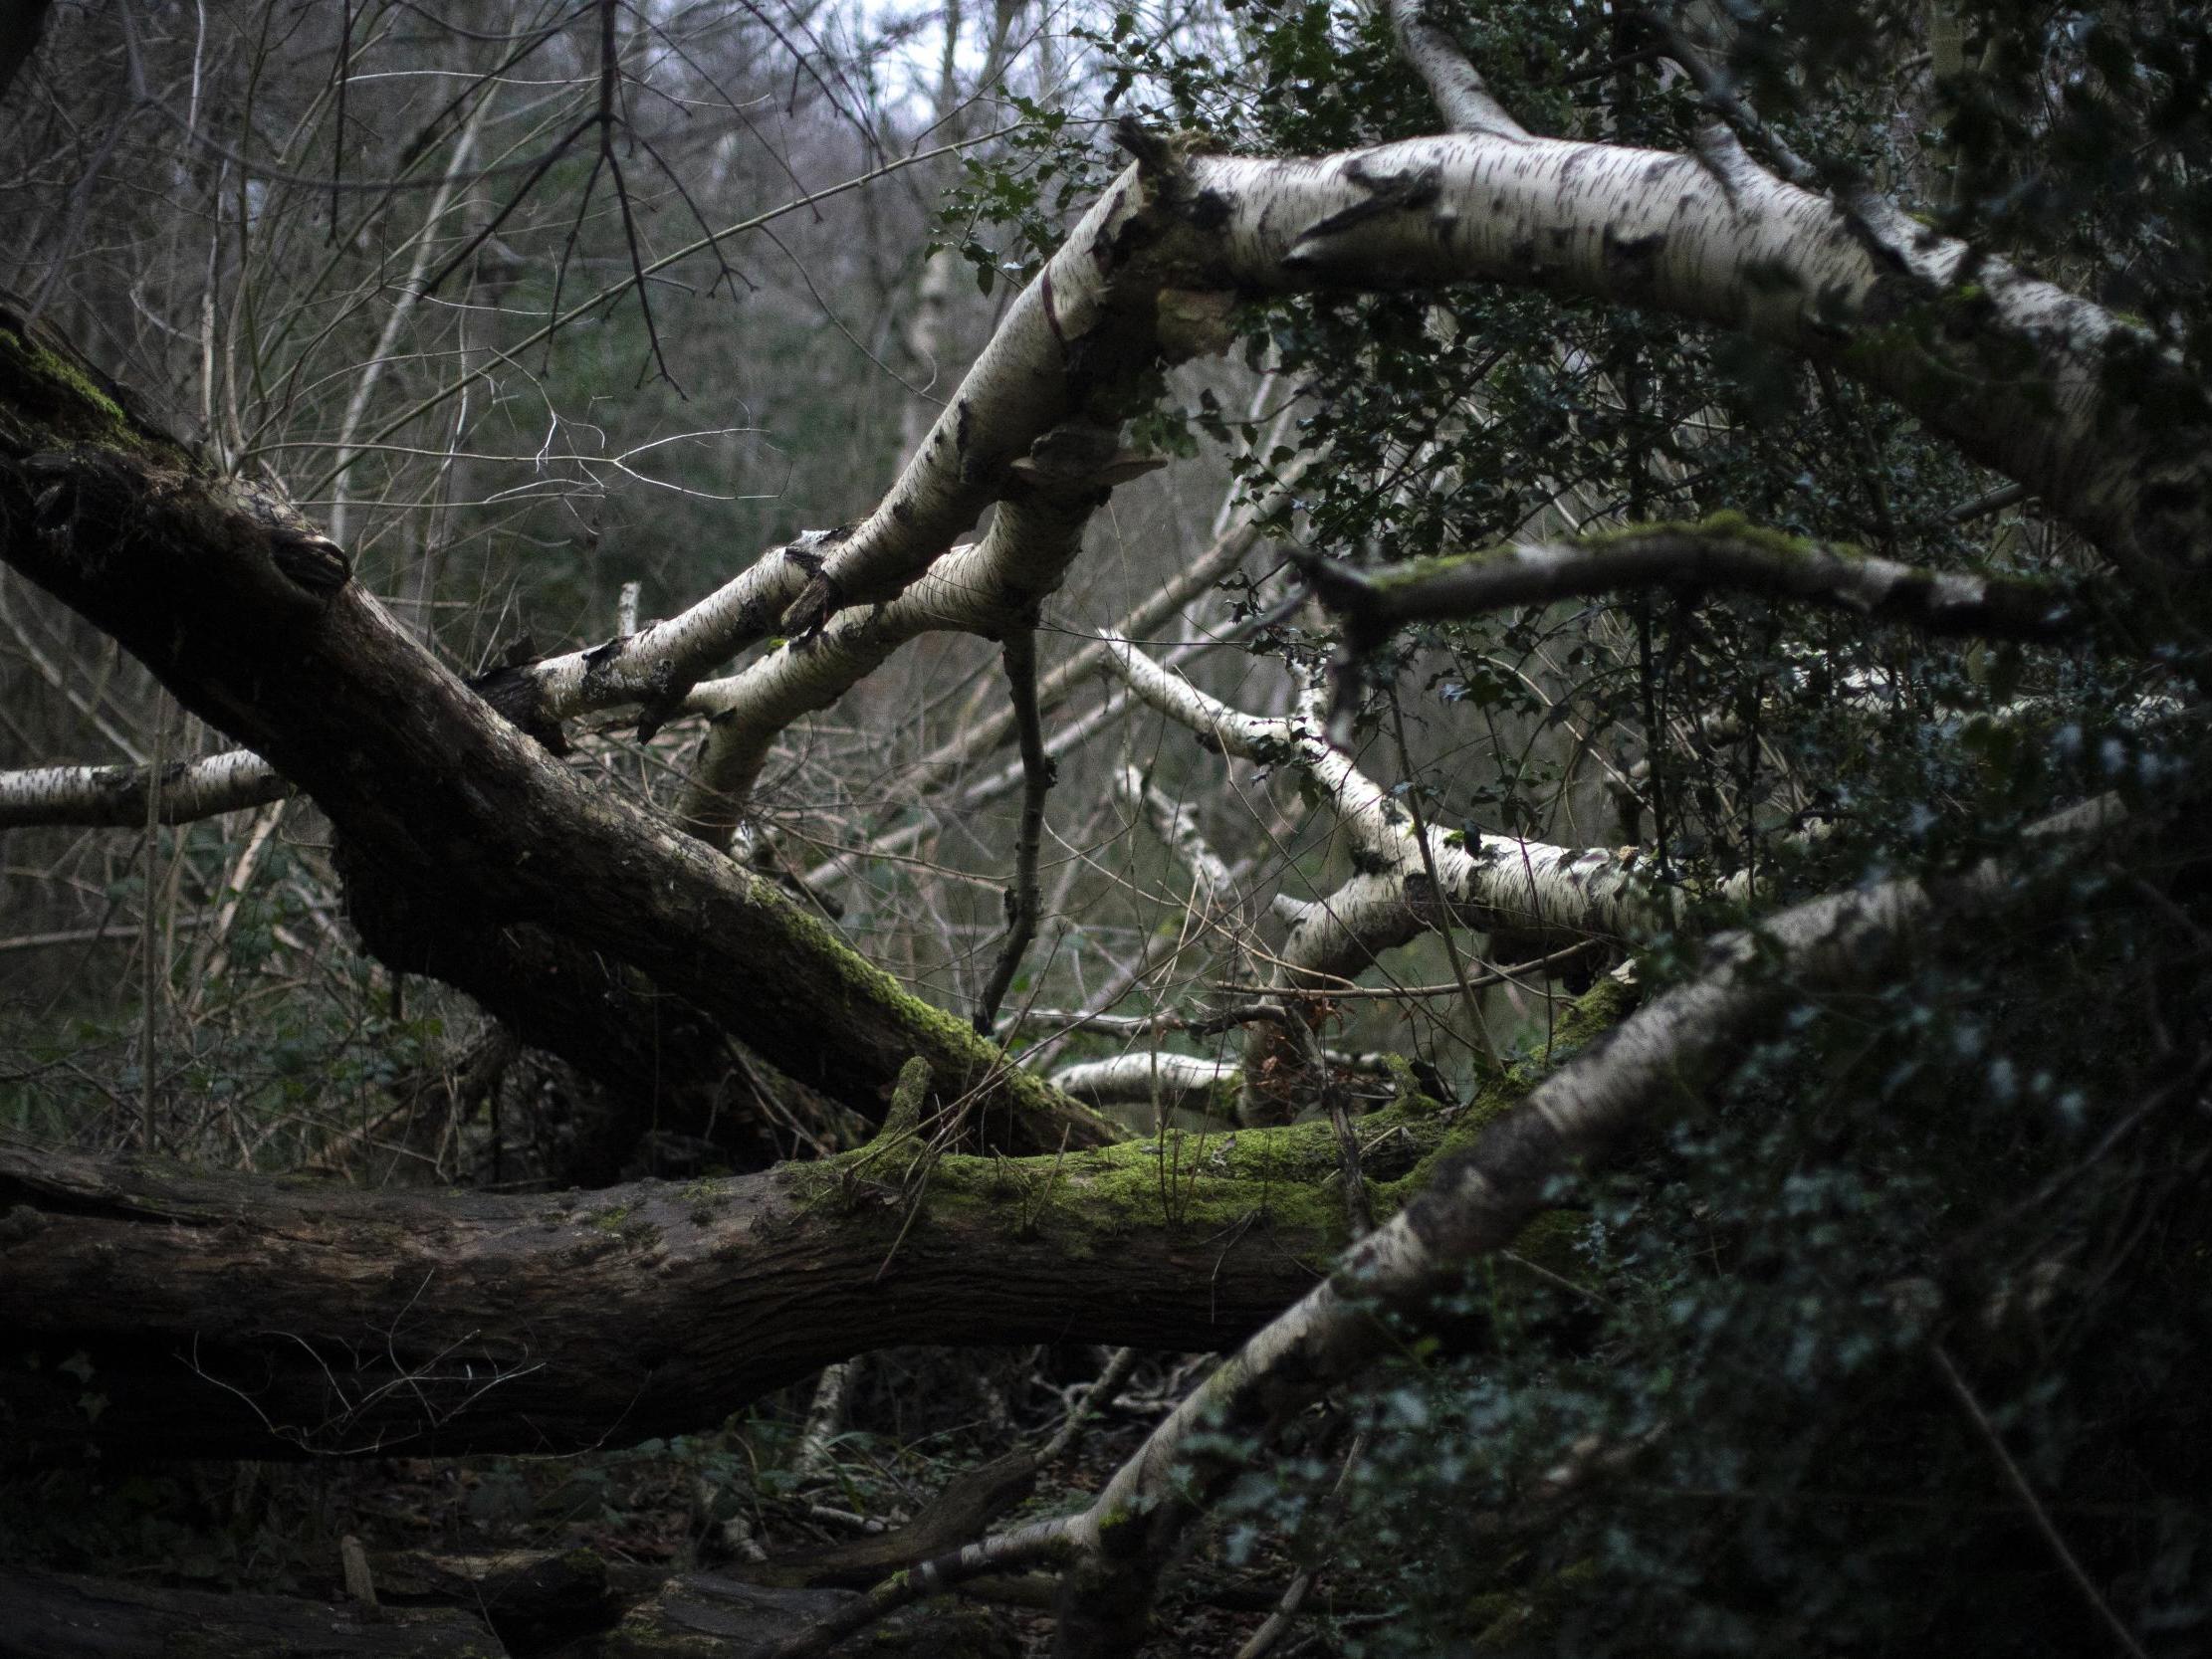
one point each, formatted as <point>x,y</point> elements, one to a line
<point>908,1171</point>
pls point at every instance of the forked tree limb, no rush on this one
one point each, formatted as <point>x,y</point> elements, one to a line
<point>1505,885</point>
<point>991,587</point>
<point>253,620</point>
<point>2043,386</point>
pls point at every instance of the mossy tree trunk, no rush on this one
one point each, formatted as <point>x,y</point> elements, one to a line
<point>149,1311</point>
<point>252,619</point>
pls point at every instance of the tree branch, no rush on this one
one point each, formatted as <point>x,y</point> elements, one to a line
<point>1723,554</point>
<point>1474,1206</point>
<point>116,796</point>
<point>1023,899</point>
<point>252,621</point>
<point>1461,97</point>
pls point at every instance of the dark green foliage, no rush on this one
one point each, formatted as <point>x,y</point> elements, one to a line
<point>1735,1435</point>
<point>1738,1435</point>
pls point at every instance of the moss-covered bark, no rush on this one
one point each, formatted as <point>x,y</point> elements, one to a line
<point>151,1310</point>
<point>241,609</point>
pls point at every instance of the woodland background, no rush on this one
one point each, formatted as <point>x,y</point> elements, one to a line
<point>1888,1331</point>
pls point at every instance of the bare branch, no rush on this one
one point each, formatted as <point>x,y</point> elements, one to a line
<point>1024,900</point>
<point>116,796</point>
<point>1461,97</point>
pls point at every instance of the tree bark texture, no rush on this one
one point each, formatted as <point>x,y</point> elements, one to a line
<point>147,1311</point>
<point>2038,384</point>
<point>2047,387</point>
<point>254,622</point>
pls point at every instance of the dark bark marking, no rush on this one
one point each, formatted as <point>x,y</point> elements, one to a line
<point>1051,313</point>
<point>1209,211</point>
<point>1629,259</point>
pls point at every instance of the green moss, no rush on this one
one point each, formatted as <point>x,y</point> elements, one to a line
<point>63,403</point>
<point>1552,1242</point>
<point>1197,1184</point>
<point>1496,1618</point>
<point>1733,525</point>
<point>1590,1016</point>
<point>702,1200</point>
<point>958,1058</point>
<point>1193,1182</point>
<point>1407,1087</point>
<point>1581,1022</point>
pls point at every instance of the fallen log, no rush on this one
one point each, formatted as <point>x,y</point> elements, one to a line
<point>155,1313</point>
<point>59,1616</point>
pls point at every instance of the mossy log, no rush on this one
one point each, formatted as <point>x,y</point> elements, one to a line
<point>155,1312</point>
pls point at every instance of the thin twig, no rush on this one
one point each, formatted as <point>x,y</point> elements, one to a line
<point>2038,1515</point>
<point>1513,975</point>
<point>1023,898</point>
<point>1277,1623</point>
<point>1043,1543</point>
<point>1116,1372</point>
<point>1445,917</point>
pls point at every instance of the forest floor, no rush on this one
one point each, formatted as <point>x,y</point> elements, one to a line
<point>653,1514</point>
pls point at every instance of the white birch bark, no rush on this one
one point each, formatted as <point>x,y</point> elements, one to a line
<point>116,795</point>
<point>1461,97</point>
<point>985,588</point>
<point>1176,823</point>
<point>1539,895</point>
<point>1713,239</point>
<point>1016,391</point>
<point>1220,560</point>
<point>1715,555</point>
<point>1183,1081</point>
<point>1531,898</point>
